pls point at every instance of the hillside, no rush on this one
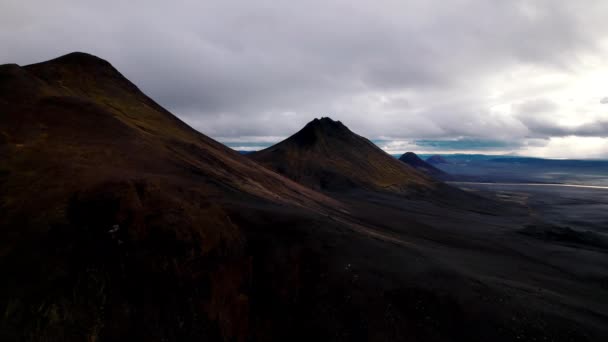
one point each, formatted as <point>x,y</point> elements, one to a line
<point>326,155</point>
<point>78,116</point>
<point>121,223</point>
<point>102,188</point>
<point>411,159</point>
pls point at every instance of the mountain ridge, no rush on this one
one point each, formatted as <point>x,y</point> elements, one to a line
<point>101,188</point>
<point>132,114</point>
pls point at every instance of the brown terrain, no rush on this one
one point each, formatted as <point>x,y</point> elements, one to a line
<point>326,155</point>
<point>119,222</point>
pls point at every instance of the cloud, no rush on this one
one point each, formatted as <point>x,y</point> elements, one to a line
<point>570,147</point>
<point>551,129</point>
<point>404,70</point>
<point>542,118</point>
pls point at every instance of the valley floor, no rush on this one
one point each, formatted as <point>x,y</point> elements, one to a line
<point>499,268</point>
<point>577,206</point>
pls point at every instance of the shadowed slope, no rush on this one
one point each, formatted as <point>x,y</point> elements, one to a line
<point>120,223</point>
<point>111,204</point>
<point>83,114</point>
<point>411,159</point>
<point>326,155</point>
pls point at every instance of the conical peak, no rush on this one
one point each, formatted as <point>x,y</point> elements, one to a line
<point>74,64</point>
<point>326,126</point>
<point>82,72</point>
<point>410,156</point>
<point>79,58</point>
<point>319,131</point>
<point>325,154</point>
<point>326,123</point>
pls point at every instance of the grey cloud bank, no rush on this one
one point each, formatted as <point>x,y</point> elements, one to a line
<point>523,72</point>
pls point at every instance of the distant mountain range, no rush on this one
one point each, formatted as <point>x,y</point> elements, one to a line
<point>436,159</point>
<point>487,168</point>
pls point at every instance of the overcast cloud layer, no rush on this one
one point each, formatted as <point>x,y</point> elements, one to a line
<point>526,77</point>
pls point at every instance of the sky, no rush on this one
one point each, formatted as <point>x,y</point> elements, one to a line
<point>464,76</point>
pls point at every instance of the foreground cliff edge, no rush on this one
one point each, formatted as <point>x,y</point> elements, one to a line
<point>120,222</point>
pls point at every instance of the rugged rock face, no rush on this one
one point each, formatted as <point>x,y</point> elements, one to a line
<point>411,159</point>
<point>326,155</point>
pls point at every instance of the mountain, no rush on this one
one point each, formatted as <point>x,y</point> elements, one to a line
<point>78,116</point>
<point>411,159</point>
<point>121,223</point>
<point>436,159</point>
<point>117,216</point>
<point>326,155</point>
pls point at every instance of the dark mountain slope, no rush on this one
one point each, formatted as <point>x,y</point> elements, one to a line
<point>120,223</point>
<point>83,114</point>
<point>326,155</point>
<point>411,159</point>
<point>114,211</point>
